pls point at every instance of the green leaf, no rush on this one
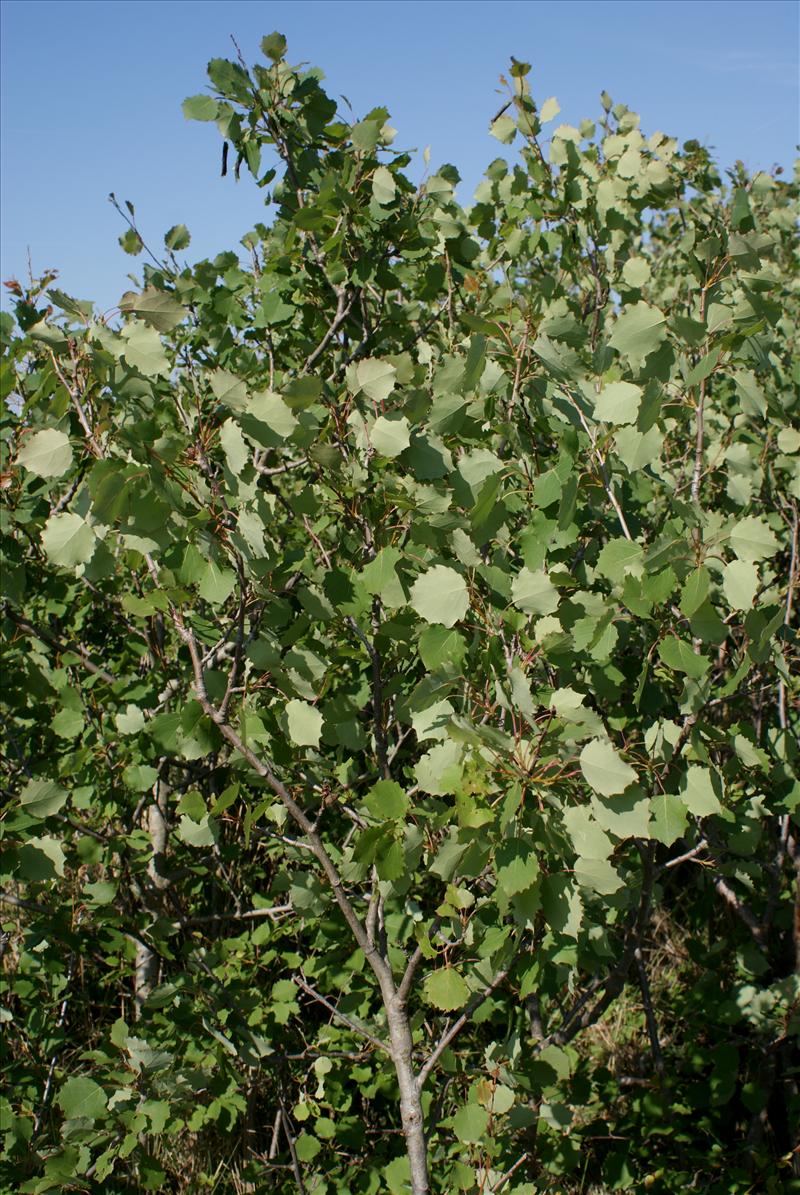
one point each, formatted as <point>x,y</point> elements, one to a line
<point>549,109</point>
<point>68,723</point>
<point>144,350</point>
<point>638,449</point>
<point>603,769</point>
<point>445,989</point>
<point>516,866</point>
<point>439,646</point>
<point>41,798</point>
<point>146,606</point>
<point>82,1097</point>
<point>268,410</point>
<point>157,308</point>
<point>68,540</point>
<point>234,445</point>
<point>374,377</point>
<point>384,187</point>
<point>470,1124</point>
<point>304,722</point>
<point>740,582</point>
<point>230,79</point>
<point>387,800</point>
<point>698,793</point>
<point>216,584</point>
<point>439,772</point>
<point>273,311</point>
<point>196,834</point>
<point>365,135</point>
<point>504,128</point>
<point>307,1147</point>
<point>626,815</point>
<point>588,837</point>
<point>398,1176</point>
<point>534,592</point>
<point>390,434</point>
<point>597,875</point>
<point>41,859</point>
<point>200,107</point>
<point>678,655</point>
<point>229,389</point>
<point>103,892</point>
<point>140,777</point>
<point>694,591</point>
<point>668,818</point>
<point>193,804</point>
<point>636,272</point>
<point>380,575</point>
<point>618,402</point>
<point>46,454</point>
<point>707,625</point>
<point>703,368</point>
<point>131,242</point>
<point>561,904</point>
<point>301,393</point>
<point>440,595</point>
<point>638,332</point>
<point>619,558</point>
<point>753,539</point>
<point>274,46</point>
<point>789,439</point>
<point>178,237</point>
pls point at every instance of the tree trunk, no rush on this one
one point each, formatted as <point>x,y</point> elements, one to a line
<point>410,1102</point>
<point>146,975</point>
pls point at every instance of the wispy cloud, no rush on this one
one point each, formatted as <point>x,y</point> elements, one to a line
<point>732,61</point>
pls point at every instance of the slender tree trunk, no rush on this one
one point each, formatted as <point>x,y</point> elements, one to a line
<point>410,1102</point>
<point>146,976</point>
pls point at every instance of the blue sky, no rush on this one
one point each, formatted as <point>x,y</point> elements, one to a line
<point>91,95</point>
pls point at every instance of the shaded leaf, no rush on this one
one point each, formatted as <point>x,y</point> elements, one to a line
<point>82,1097</point>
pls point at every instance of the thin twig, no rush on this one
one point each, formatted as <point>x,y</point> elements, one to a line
<point>248,915</point>
<point>742,911</point>
<point>63,647</point>
<point>457,1026</point>
<point>82,417</point>
<point>649,1014</point>
<point>351,1023</point>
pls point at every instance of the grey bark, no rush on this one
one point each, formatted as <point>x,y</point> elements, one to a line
<point>153,894</point>
<point>411,1118</point>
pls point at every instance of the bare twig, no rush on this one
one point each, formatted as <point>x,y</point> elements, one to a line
<point>351,1023</point>
<point>742,911</point>
<point>248,915</point>
<point>603,467</point>
<point>687,855</point>
<point>287,1129</point>
<point>343,309</point>
<point>649,1014</point>
<point>65,646</point>
<point>456,1027</point>
<point>72,391</point>
<point>503,1179</point>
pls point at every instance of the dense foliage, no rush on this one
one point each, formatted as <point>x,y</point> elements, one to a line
<point>400,685</point>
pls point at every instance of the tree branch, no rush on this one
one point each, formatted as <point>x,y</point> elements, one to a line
<point>315,843</point>
<point>649,1014</point>
<point>351,1023</point>
<point>457,1026</point>
<point>63,647</point>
